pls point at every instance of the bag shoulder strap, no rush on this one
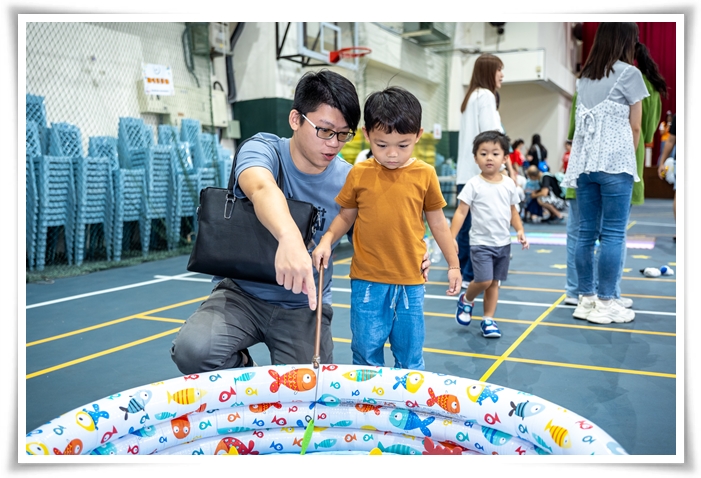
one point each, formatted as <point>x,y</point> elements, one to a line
<point>232,175</point>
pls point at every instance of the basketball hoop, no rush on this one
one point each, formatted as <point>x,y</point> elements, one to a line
<point>349,52</point>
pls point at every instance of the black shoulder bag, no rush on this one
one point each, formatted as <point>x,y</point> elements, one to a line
<point>232,242</point>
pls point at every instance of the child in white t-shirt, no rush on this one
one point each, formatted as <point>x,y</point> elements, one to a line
<point>492,199</point>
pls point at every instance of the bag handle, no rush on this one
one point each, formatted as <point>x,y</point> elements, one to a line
<point>232,175</point>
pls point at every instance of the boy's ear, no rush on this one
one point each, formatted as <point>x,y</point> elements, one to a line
<point>418,135</point>
<point>365,133</point>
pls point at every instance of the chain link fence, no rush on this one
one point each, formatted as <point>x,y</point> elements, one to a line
<point>113,174</point>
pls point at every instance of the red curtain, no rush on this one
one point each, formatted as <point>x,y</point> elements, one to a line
<point>661,40</point>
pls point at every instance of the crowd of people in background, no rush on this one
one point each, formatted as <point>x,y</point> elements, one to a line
<point>615,111</point>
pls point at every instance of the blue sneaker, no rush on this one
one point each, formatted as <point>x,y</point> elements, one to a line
<point>489,328</point>
<point>464,314</point>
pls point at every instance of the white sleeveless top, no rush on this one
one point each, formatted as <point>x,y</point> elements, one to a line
<point>603,138</point>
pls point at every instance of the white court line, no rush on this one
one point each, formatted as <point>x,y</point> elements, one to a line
<point>186,277</point>
<point>107,291</point>
<point>638,223</point>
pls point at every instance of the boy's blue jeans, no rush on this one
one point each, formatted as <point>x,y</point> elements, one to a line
<point>387,311</point>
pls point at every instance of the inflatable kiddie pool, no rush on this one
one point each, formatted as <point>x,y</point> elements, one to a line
<point>355,409</point>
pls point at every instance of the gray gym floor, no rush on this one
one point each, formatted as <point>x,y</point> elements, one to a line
<point>91,336</point>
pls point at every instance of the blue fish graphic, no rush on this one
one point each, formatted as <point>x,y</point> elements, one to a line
<point>408,420</point>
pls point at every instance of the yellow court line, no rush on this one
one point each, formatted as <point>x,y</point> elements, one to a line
<point>631,225</point>
<point>536,362</point>
<point>554,324</point>
<point>103,353</point>
<point>516,343</point>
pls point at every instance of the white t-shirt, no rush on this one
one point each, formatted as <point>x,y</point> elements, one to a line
<point>480,115</point>
<point>490,204</point>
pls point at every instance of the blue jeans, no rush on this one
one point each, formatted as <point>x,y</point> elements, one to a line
<point>572,285</point>
<point>387,311</point>
<point>463,239</point>
<point>604,208</point>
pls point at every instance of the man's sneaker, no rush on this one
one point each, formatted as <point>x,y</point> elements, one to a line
<point>464,314</point>
<point>489,328</point>
<point>571,301</point>
<point>584,308</point>
<point>625,302</point>
<point>250,362</point>
<point>605,314</point>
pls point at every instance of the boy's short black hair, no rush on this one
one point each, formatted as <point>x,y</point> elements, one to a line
<point>393,109</point>
<point>326,87</point>
<point>492,136</point>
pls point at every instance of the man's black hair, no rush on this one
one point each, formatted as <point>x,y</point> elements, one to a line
<point>492,136</point>
<point>326,87</point>
<point>392,109</point>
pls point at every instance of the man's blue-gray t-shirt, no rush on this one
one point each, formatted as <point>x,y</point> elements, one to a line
<point>319,189</point>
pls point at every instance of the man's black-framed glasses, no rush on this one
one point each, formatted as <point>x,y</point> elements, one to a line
<point>325,133</point>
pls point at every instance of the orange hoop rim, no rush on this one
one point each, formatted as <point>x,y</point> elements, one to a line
<point>348,52</point>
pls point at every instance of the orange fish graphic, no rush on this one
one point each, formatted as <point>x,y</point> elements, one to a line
<point>447,402</point>
<point>299,380</point>
<point>261,407</point>
<point>74,448</point>
<point>180,426</point>
<point>367,407</point>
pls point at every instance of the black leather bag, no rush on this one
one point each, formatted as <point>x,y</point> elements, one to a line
<point>232,242</point>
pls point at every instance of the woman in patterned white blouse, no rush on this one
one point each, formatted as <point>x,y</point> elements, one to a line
<point>602,165</point>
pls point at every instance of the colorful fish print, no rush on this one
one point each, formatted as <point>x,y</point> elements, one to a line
<point>148,431</point>
<point>106,449</point>
<point>180,426</point>
<point>368,407</point>
<point>408,420</point>
<point>74,447</point>
<point>224,431</point>
<point>186,396</point>
<point>479,393</point>
<point>398,449</point>
<point>165,415</point>
<point>299,380</point>
<point>36,448</point>
<point>447,402</point>
<point>137,403</point>
<point>261,407</point>
<point>327,400</point>
<point>559,434</point>
<point>495,437</point>
<point>328,443</point>
<point>96,414</point>
<point>362,375</point>
<point>411,382</point>
<point>244,377</point>
<point>541,443</point>
<point>342,423</point>
<point>83,419</point>
<point>526,409</point>
<point>225,444</point>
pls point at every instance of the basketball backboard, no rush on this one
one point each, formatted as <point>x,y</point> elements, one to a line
<point>315,41</point>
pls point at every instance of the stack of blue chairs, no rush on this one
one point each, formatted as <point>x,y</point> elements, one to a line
<point>104,147</point>
<point>202,151</point>
<point>224,164</point>
<point>93,187</point>
<point>56,205</point>
<point>36,112</point>
<point>209,168</point>
<point>158,171</point>
<point>184,186</point>
<point>33,151</point>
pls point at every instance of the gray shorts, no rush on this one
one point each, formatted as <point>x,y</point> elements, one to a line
<point>490,263</point>
<point>231,320</point>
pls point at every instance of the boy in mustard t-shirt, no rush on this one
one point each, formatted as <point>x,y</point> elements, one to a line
<point>384,199</point>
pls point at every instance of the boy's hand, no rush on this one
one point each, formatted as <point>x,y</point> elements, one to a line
<point>454,281</point>
<point>522,239</point>
<point>322,251</point>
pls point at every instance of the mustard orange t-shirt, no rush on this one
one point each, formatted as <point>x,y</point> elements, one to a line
<point>388,245</point>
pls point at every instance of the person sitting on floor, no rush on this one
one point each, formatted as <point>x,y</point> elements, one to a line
<point>549,196</point>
